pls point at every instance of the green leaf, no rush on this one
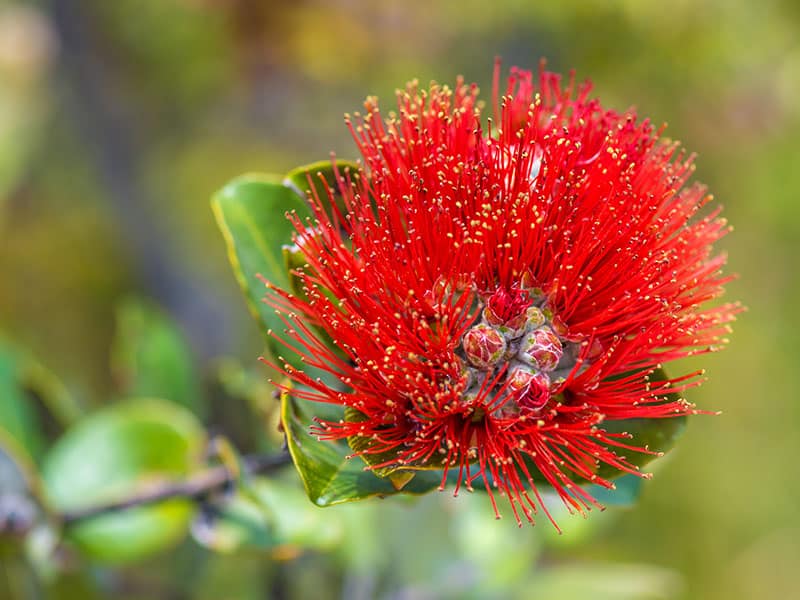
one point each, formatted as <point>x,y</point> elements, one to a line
<point>294,522</point>
<point>113,454</point>
<point>303,178</point>
<point>17,413</point>
<point>498,552</point>
<point>330,478</point>
<point>250,212</point>
<point>240,525</point>
<point>328,475</point>
<point>399,476</point>
<point>151,358</point>
<point>626,493</point>
<point>294,262</point>
<point>28,391</point>
<point>269,514</point>
<point>658,435</point>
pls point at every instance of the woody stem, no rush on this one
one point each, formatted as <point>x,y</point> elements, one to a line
<point>195,487</point>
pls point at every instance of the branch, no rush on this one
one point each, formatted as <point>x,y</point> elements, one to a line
<point>194,488</point>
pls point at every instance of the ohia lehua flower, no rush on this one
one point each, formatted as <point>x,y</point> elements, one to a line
<point>492,296</point>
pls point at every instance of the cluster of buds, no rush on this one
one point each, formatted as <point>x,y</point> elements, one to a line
<point>522,346</point>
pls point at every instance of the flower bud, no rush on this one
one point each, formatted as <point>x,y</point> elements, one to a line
<point>530,389</point>
<point>534,317</point>
<point>484,346</point>
<point>519,377</point>
<point>505,310</point>
<point>541,348</point>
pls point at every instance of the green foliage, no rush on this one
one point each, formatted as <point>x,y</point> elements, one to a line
<point>268,515</point>
<point>328,474</point>
<point>150,358</point>
<point>625,493</point>
<point>116,452</point>
<point>322,176</point>
<point>17,413</point>
<point>249,211</point>
<point>27,390</point>
<point>657,435</point>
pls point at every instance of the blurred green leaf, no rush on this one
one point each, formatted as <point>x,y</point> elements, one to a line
<point>303,178</point>
<point>26,388</point>
<point>113,454</point>
<point>151,358</point>
<point>269,515</point>
<point>240,525</point>
<point>294,521</point>
<point>17,414</point>
<point>244,406</point>
<point>328,475</point>
<point>499,552</point>
<point>250,212</point>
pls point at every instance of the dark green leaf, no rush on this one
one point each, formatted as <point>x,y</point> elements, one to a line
<point>250,211</point>
<point>112,455</point>
<point>303,178</point>
<point>626,493</point>
<point>328,475</point>
<point>658,435</point>
<point>398,476</point>
<point>150,357</point>
<point>294,261</point>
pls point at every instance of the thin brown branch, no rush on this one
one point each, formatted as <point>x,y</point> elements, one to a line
<point>195,487</point>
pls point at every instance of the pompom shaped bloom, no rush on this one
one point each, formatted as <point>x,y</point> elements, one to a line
<point>501,291</point>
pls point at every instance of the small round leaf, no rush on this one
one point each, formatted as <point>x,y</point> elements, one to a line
<point>113,455</point>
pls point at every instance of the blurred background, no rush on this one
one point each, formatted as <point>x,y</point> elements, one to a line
<point>118,120</point>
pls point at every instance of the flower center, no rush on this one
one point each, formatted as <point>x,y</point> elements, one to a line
<point>522,348</point>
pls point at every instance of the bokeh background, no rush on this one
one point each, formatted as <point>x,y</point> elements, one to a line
<point>118,120</point>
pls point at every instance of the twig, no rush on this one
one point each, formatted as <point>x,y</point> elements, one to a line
<point>195,487</point>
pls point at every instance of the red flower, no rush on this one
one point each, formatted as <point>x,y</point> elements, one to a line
<point>499,291</point>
